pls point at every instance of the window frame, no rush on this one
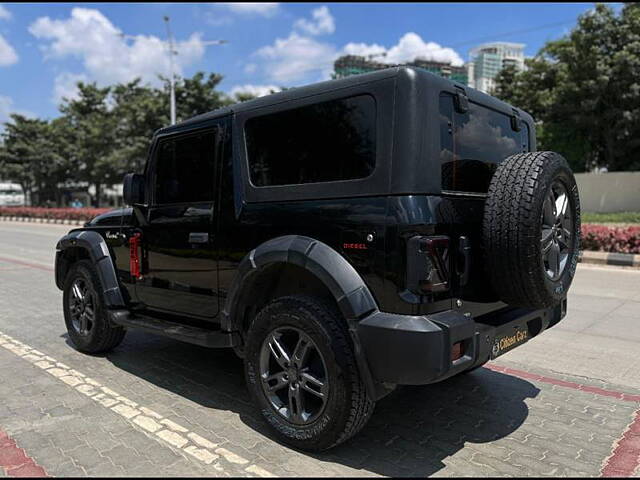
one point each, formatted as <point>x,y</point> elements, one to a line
<point>151,173</point>
<point>376,183</point>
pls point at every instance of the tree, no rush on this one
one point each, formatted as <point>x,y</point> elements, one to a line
<point>91,126</point>
<point>139,112</point>
<point>31,155</point>
<point>584,90</point>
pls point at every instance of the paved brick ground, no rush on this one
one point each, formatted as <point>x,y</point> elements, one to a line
<point>480,424</point>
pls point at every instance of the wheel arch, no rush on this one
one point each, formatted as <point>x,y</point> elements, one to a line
<point>305,258</point>
<point>327,272</point>
<point>87,244</point>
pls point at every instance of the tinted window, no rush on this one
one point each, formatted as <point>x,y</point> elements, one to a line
<point>474,143</point>
<point>185,169</point>
<point>325,142</point>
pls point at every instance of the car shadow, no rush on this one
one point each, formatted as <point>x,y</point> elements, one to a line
<point>411,432</point>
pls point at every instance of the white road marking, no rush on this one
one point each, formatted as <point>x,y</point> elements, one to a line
<point>142,418</point>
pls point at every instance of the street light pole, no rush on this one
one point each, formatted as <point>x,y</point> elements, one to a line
<point>172,52</point>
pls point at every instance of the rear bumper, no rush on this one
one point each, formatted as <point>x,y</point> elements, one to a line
<point>416,350</point>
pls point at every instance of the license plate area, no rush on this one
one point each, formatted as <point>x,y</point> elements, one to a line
<point>510,337</point>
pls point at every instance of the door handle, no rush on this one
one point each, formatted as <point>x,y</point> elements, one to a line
<point>198,237</point>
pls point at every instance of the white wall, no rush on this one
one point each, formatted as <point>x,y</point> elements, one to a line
<point>609,192</point>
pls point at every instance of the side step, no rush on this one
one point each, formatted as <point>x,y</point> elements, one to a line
<point>184,333</point>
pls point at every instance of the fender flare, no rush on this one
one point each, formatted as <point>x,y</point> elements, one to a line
<point>96,247</point>
<point>343,281</point>
<point>347,287</point>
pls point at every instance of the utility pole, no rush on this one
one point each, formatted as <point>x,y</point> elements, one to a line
<point>172,52</point>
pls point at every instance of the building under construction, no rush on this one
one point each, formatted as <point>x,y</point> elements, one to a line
<point>354,64</point>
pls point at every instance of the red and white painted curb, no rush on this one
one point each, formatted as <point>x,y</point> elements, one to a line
<point>59,221</point>
<point>15,461</point>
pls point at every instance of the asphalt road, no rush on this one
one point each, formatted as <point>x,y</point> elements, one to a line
<point>566,403</point>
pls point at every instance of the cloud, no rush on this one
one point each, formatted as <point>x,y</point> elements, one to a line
<point>265,9</point>
<point>65,86</point>
<point>291,59</point>
<point>250,68</point>
<point>363,49</point>
<point>8,55</point>
<point>322,23</point>
<point>4,13</point>
<point>257,90</point>
<point>108,57</point>
<point>409,47</point>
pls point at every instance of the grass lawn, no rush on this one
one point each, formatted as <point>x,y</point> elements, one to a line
<point>622,217</point>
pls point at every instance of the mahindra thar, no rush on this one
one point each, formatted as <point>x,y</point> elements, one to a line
<point>391,228</point>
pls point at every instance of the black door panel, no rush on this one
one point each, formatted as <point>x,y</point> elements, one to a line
<point>180,265</point>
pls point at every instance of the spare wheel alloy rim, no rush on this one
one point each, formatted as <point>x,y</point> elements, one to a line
<point>557,230</point>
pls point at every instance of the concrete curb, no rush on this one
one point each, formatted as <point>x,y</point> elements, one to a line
<point>610,258</point>
<point>43,220</point>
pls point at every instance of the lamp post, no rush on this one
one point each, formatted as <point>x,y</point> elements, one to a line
<point>172,52</point>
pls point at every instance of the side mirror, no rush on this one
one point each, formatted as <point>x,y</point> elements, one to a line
<point>133,189</point>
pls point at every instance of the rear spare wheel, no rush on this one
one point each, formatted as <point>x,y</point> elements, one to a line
<point>531,229</point>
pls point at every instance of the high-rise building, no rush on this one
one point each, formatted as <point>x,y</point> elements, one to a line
<point>488,59</point>
<point>355,64</point>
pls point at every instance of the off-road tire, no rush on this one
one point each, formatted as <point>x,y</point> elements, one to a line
<point>104,335</point>
<point>512,229</point>
<point>348,407</point>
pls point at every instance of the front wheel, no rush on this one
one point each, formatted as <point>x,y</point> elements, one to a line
<point>85,315</point>
<point>302,374</point>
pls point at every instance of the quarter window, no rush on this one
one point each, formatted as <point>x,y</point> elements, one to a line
<point>185,169</point>
<point>324,142</point>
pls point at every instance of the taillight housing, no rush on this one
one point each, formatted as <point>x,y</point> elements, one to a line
<point>428,264</point>
<point>134,256</point>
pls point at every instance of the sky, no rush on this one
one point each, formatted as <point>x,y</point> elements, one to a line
<point>46,48</point>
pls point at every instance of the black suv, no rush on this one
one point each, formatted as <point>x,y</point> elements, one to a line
<point>392,228</point>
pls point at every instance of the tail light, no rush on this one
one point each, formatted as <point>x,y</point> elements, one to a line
<point>427,264</point>
<point>134,256</point>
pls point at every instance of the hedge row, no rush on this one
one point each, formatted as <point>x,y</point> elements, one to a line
<point>81,214</point>
<point>611,239</point>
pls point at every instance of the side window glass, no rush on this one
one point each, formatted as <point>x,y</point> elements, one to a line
<point>185,169</point>
<point>324,142</point>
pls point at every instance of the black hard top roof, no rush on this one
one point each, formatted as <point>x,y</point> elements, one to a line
<point>411,73</point>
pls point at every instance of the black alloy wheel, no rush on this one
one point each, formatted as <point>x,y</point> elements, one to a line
<point>294,375</point>
<point>82,306</point>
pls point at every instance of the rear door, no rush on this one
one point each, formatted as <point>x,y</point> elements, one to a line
<point>473,144</point>
<point>180,267</point>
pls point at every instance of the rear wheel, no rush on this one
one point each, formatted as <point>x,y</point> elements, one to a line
<point>88,325</point>
<point>302,373</point>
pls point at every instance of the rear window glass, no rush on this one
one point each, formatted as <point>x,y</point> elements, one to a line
<point>324,142</point>
<point>474,143</point>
